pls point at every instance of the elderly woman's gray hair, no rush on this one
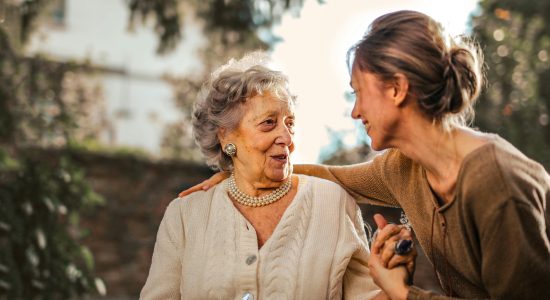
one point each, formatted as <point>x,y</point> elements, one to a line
<point>220,102</point>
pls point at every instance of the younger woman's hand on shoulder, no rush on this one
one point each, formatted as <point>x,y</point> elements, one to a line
<point>205,185</point>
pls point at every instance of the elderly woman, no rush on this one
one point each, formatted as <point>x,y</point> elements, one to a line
<point>263,233</point>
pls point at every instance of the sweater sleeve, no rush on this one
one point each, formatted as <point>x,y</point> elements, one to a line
<point>366,182</point>
<point>164,277</point>
<point>357,282</point>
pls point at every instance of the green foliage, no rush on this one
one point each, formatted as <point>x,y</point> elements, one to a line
<point>44,103</point>
<point>8,68</point>
<point>30,11</point>
<point>40,257</point>
<point>167,20</point>
<point>93,145</point>
<point>40,197</point>
<point>231,22</point>
<point>515,36</point>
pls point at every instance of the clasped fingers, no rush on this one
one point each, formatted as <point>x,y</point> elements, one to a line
<point>394,245</point>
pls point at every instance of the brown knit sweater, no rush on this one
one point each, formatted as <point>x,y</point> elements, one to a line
<point>490,241</point>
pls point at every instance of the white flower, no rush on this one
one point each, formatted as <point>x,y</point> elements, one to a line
<point>62,209</point>
<point>41,239</point>
<point>72,272</point>
<point>100,286</point>
<point>65,176</point>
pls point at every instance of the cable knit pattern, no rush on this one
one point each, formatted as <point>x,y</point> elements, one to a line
<point>285,254</point>
<point>355,221</point>
<point>312,254</point>
<point>223,237</point>
<point>336,286</point>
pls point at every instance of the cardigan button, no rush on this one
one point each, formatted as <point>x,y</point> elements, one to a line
<point>248,296</point>
<point>251,259</point>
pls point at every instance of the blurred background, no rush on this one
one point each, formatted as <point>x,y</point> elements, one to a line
<point>95,103</point>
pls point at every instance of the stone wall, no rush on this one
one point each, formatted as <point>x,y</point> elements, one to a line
<point>122,232</point>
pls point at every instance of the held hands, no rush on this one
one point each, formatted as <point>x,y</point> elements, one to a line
<point>381,296</point>
<point>391,281</point>
<point>385,239</point>
<point>205,185</point>
<point>390,270</point>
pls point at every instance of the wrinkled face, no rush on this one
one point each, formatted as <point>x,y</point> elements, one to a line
<point>374,106</point>
<point>264,139</point>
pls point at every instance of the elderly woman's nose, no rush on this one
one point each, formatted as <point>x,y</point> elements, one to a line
<point>285,136</point>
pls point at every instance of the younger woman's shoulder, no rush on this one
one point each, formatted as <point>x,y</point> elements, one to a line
<point>500,168</point>
<point>511,160</point>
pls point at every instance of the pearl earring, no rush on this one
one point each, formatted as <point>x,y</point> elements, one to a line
<point>230,149</point>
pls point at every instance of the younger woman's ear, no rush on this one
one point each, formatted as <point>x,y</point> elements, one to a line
<point>400,88</point>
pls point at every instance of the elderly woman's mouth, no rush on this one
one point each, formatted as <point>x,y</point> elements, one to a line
<point>280,157</point>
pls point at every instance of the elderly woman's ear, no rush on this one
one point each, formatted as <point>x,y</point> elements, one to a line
<point>222,135</point>
<point>227,145</point>
<point>225,136</point>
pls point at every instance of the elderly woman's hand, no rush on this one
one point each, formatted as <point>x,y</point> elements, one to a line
<point>391,281</point>
<point>205,185</point>
<point>381,296</point>
<point>384,245</point>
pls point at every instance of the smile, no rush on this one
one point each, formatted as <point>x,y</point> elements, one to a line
<point>280,158</point>
<point>366,124</point>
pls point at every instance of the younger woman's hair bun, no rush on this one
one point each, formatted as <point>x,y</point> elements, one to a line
<point>460,86</point>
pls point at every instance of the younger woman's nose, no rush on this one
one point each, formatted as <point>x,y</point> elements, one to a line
<point>355,112</point>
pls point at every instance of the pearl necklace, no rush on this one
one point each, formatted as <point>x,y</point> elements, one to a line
<point>248,200</point>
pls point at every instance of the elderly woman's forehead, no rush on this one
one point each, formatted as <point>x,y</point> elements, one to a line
<point>269,101</point>
<point>271,94</point>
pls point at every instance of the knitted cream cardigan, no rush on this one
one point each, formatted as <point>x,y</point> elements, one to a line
<point>206,249</point>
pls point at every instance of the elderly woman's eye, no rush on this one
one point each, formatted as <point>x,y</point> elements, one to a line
<point>290,126</point>
<point>269,121</point>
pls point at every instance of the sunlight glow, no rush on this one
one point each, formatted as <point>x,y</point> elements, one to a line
<point>313,53</point>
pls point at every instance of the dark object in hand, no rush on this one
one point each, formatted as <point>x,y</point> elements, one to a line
<point>403,247</point>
